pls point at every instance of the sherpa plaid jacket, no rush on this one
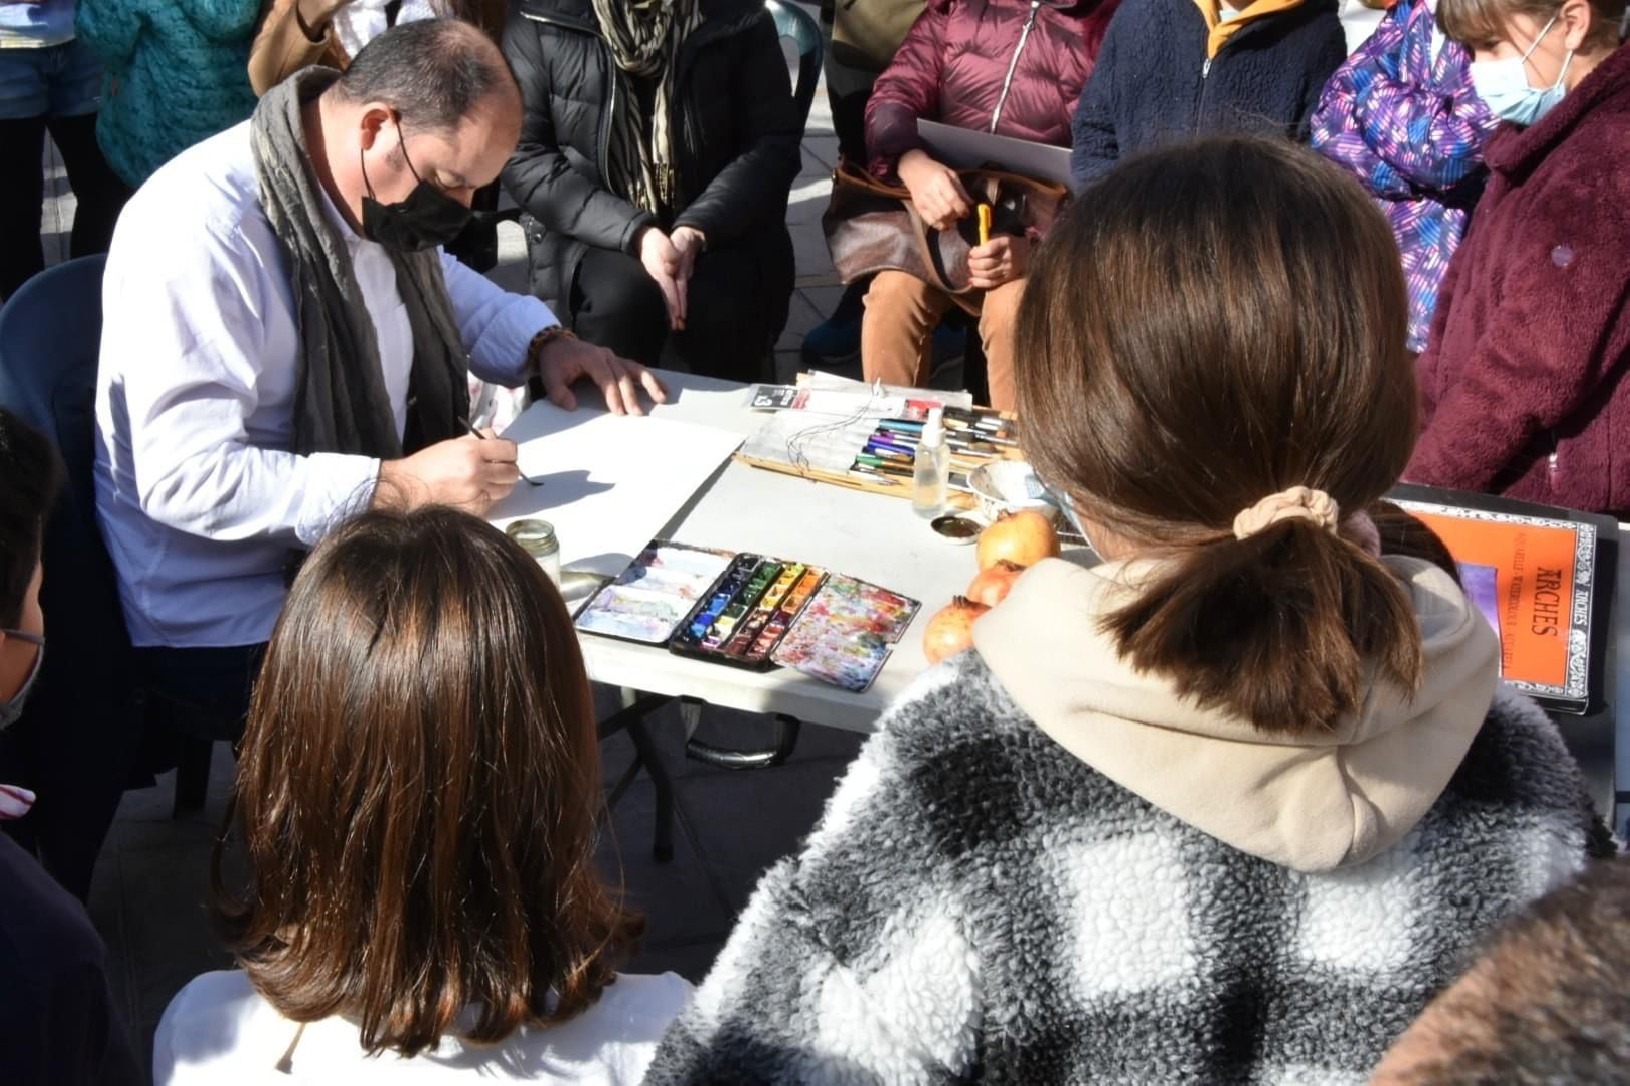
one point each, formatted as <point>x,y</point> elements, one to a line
<point>978,905</point>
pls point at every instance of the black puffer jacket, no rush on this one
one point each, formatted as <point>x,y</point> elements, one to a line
<point>737,128</point>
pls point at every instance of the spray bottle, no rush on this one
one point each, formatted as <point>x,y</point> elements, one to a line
<point>930,471</point>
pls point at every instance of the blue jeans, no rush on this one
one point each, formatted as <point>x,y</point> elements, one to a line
<point>55,88</point>
<point>54,81</point>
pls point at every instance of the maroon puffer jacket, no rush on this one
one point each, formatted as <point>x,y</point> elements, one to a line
<point>1015,66</point>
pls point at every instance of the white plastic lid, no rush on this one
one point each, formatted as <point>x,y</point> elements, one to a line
<point>934,431</point>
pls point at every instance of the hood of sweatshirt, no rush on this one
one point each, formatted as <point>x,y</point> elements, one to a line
<point>1338,794</point>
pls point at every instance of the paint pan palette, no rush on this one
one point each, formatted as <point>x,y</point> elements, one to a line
<point>748,611</point>
<point>649,599</point>
<point>847,633</point>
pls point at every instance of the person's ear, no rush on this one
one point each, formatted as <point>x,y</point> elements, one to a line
<point>373,123</point>
<point>1577,19</point>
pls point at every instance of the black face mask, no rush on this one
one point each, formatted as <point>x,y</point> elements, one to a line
<point>427,218</point>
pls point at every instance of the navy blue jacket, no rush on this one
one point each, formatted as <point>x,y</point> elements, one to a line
<point>58,1026</point>
<point>1152,85</point>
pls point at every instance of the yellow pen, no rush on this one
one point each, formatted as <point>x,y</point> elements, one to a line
<point>984,224</point>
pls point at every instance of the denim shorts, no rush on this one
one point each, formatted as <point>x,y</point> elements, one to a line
<point>53,81</point>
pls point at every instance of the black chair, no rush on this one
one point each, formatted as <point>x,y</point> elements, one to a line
<point>82,726</point>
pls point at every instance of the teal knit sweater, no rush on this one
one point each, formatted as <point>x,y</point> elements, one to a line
<point>177,73</point>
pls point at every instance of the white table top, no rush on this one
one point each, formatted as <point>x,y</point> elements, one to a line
<point>870,536</point>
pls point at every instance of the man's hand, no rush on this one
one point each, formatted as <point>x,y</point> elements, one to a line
<point>663,263</point>
<point>471,473</point>
<point>935,189</point>
<point>564,360</point>
<point>1001,261</point>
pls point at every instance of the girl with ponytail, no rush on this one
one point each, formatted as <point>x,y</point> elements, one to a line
<point>1229,806</point>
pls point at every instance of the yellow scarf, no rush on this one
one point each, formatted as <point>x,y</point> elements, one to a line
<point>1219,30</point>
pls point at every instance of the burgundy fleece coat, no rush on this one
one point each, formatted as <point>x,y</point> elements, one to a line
<point>1523,386</point>
<point>953,68</point>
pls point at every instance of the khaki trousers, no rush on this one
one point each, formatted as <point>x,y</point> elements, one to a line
<point>902,312</point>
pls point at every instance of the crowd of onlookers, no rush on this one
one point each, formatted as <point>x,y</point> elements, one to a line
<point>657,149</point>
<point>1235,805</point>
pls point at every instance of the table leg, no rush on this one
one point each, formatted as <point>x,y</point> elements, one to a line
<point>663,845</point>
<point>631,718</point>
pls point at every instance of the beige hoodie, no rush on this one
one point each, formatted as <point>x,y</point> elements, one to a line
<point>1312,802</point>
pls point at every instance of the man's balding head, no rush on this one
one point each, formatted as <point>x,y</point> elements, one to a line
<point>435,73</point>
<point>431,101</point>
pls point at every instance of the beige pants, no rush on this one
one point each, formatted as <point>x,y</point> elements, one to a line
<point>902,312</point>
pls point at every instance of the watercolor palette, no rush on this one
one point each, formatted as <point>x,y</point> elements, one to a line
<point>847,632</point>
<point>746,614</point>
<point>649,599</point>
<point>751,611</point>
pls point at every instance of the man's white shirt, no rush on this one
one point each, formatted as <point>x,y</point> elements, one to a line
<point>199,498</point>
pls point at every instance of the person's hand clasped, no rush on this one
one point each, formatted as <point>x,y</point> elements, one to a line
<point>565,360</point>
<point>688,242</point>
<point>470,473</point>
<point>663,262</point>
<point>935,189</point>
<point>999,261</point>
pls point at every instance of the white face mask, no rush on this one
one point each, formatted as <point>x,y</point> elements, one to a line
<point>12,709</point>
<point>1503,85</point>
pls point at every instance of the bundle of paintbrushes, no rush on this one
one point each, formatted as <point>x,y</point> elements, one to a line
<point>976,437</point>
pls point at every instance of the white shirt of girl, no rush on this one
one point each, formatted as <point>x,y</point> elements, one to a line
<point>219,1029</point>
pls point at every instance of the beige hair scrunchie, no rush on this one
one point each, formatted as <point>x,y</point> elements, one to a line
<point>1302,502</point>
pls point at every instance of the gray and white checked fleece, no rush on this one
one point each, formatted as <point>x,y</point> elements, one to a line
<point>979,905</point>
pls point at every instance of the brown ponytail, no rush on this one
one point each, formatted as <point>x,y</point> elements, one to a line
<point>1213,324</point>
<point>1279,627</point>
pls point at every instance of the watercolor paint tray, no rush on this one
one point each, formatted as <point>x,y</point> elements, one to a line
<point>846,633</point>
<point>748,611</point>
<point>647,602</point>
<point>767,612</point>
<point>752,611</point>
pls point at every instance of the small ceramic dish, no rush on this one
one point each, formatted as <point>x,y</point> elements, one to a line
<point>957,528</point>
<point>1010,486</point>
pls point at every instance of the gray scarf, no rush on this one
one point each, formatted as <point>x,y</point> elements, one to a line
<point>645,37</point>
<point>340,402</point>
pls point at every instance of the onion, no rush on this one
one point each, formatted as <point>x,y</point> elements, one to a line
<point>991,586</point>
<point>950,631</point>
<point>1023,538</point>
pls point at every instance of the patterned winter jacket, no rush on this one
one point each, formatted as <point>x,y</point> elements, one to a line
<point>979,905</point>
<point>1010,66</point>
<point>1412,129</point>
